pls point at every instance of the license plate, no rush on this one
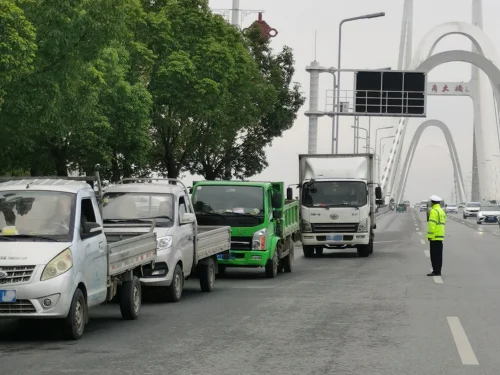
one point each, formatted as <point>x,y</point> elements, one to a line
<point>7,296</point>
<point>225,256</point>
<point>337,237</point>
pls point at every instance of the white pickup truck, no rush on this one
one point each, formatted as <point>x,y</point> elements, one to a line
<point>55,260</point>
<point>184,247</point>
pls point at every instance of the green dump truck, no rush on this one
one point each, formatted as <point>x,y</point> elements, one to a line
<point>263,225</point>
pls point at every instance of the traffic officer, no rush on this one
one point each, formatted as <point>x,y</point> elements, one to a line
<point>435,235</point>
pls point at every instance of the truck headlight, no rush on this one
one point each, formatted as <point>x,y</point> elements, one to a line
<point>363,226</point>
<point>306,227</point>
<point>164,243</point>
<point>259,240</point>
<point>60,264</point>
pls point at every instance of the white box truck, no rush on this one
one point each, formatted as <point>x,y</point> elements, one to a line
<point>338,201</point>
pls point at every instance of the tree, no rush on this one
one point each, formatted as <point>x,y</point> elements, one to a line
<point>59,116</point>
<point>17,44</point>
<point>201,67</point>
<point>243,155</point>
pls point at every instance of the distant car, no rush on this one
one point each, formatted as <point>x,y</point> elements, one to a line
<point>451,209</point>
<point>471,209</point>
<point>488,213</point>
<point>423,206</point>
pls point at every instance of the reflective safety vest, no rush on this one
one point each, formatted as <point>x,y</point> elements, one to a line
<point>437,222</point>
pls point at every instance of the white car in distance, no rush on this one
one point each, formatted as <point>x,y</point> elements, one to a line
<point>488,213</point>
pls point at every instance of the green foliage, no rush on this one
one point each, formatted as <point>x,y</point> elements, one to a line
<point>136,86</point>
<point>17,44</point>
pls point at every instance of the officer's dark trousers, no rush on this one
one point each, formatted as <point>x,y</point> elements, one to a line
<point>436,256</point>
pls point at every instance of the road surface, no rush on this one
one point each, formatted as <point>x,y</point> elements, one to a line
<point>338,314</point>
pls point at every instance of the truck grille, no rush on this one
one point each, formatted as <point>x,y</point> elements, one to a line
<point>16,274</point>
<point>22,306</point>
<point>335,228</point>
<point>241,243</point>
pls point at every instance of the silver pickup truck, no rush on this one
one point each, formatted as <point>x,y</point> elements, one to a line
<point>184,248</point>
<point>55,260</point>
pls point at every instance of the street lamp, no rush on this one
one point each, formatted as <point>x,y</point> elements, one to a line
<point>380,146</point>
<point>376,134</point>
<point>339,52</point>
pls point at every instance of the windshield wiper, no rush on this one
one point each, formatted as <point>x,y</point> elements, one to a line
<point>210,213</point>
<point>35,236</point>
<point>341,205</point>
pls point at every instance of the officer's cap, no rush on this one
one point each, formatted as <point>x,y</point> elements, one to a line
<point>435,198</point>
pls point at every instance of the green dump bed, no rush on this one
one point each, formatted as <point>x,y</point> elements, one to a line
<point>290,219</point>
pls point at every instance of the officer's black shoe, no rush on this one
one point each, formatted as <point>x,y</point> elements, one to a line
<point>433,274</point>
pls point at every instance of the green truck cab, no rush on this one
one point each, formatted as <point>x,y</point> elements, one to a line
<point>263,225</point>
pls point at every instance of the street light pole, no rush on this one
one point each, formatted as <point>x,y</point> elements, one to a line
<point>339,52</point>
<point>235,13</point>
<point>379,147</point>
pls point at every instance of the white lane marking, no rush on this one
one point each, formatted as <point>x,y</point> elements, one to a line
<point>386,241</point>
<point>422,242</point>
<point>419,233</point>
<point>462,342</point>
<point>417,228</point>
<point>427,253</point>
<point>438,279</point>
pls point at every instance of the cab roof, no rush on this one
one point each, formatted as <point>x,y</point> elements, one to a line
<point>155,188</point>
<point>47,184</point>
<point>233,182</point>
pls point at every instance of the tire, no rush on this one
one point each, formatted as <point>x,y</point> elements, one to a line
<point>478,223</point>
<point>319,251</point>
<point>363,251</point>
<point>207,276</point>
<point>289,259</point>
<point>74,323</point>
<point>174,290</point>
<point>131,299</point>
<point>465,217</point>
<point>308,251</point>
<point>272,266</point>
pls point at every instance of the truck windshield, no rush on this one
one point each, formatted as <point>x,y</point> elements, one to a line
<point>37,215</point>
<point>229,199</point>
<point>132,206</point>
<point>334,193</point>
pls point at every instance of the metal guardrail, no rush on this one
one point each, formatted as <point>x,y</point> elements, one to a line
<point>382,210</point>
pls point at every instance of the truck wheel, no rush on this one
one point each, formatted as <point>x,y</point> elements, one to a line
<point>308,251</point>
<point>288,260</point>
<point>130,299</point>
<point>207,276</point>
<point>319,251</point>
<point>272,266</point>
<point>174,290</point>
<point>74,323</point>
<point>363,251</point>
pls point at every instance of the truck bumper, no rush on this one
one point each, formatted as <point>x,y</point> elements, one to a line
<point>32,299</point>
<point>245,259</point>
<point>335,239</point>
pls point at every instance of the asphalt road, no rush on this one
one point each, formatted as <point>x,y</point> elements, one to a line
<point>338,314</point>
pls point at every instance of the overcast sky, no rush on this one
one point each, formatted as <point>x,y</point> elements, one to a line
<point>373,44</point>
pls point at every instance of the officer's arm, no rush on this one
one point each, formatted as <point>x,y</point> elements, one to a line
<point>432,224</point>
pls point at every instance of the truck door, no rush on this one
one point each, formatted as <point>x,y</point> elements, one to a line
<point>94,247</point>
<point>186,242</point>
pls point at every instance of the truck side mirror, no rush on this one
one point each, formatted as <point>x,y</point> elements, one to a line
<point>276,200</point>
<point>378,192</point>
<point>277,214</point>
<point>379,202</point>
<point>188,218</point>
<point>190,190</point>
<point>289,193</point>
